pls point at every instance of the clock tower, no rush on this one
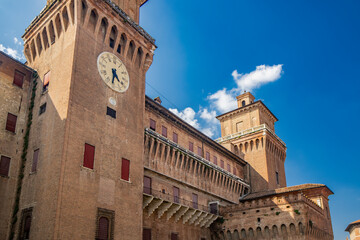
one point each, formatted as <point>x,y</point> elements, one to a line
<point>91,57</point>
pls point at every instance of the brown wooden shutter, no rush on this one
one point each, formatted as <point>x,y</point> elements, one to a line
<point>215,160</point>
<point>152,124</point>
<point>146,234</point>
<point>103,229</point>
<point>191,146</point>
<point>147,185</point>
<point>174,236</point>
<point>199,151</point>
<point>4,166</point>
<point>208,156</point>
<point>164,131</point>
<point>234,170</point>
<point>195,200</point>
<point>125,169</point>
<point>11,122</point>
<point>228,168</point>
<point>222,163</point>
<point>89,155</point>
<point>176,194</point>
<point>35,160</point>
<point>19,79</point>
<point>175,137</point>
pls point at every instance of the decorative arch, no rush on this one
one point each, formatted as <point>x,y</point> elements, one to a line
<point>45,38</point>
<point>84,8</point>
<point>301,228</point>
<point>228,235</point>
<point>33,50</point>
<point>27,53</point>
<point>275,231</point>
<point>58,25</point>
<point>139,56</point>
<point>259,233</point>
<point>52,32</point>
<point>267,232</point>
<point>39,44</point>
<point>243,234</point>
<point>122,43</point>
<point>236,150</point>
<point>65,18</point>
<point>284,232</point>
<point>257,143</point>
<point>113,36</point>
<point>103,28</point>
<point>236,235</point>
<point>246,146</point>
<point>292,229</point>
<point>251,233</point>
<point>93,20</point>
<point>131,50</point>
<point>72,9</point>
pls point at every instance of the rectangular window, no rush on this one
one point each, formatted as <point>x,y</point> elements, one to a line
<point>125,169</point>
<point>195,200</point>
<point>176,195</point>
<point>228,168</point>
<point>42,109</point>
<point>234,170</point>
<point>221,163</point>
<point>152,124</point>
<point>147,185</point>
<point>25,224</point>
<point>11,122</point>
<point>164,131</point>
<point>208,156</point>
<point>46,81</point>
<point>199,151</point>
<point>214,208</point>
<point>112,43</point>
<point>277,178</point>
<point>35,160</point>
<point>89,154</point>
<point>4,166</point>
<point>105,224</point>
<point>175,137</point>
<point>174,236</point>
<point>215,160</point>
<point>18,79</point>
<point>111,112</point>
<point>191,146</point>
<point>146,234</point>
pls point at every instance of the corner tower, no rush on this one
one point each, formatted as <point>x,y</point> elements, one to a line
<point>91,57</point>
<point>249,131</point>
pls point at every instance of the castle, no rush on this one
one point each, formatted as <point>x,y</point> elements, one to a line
<point>85,154</point>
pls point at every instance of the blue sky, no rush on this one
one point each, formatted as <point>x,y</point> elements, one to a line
<point>303,55</point>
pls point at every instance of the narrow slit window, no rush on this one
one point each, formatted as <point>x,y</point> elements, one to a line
<point>125,169</point>
<point>277,178</point>
<point>35,160</point>
<point>195,200</point>
<point>176,192</point>
<point>111,112</point>
<point>42,109</point>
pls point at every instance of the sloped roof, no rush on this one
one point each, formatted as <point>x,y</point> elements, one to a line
<point>283,190</point>
<point>351,224</point>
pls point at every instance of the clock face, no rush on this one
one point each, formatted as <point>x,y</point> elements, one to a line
<point>113,72</point>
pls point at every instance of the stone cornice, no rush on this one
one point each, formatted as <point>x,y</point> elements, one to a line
<point>258,104</point>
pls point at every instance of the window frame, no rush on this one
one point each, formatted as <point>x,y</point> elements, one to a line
<point>191,146</point>
<point>175,138</point>
<point>93,156</point>
<point>8,126</point>
<point>125,173</point>
<point>8,165</point>
<point>17,72</point>
<point>110,215</point>
<point>25,213</point>
<point>152,122</point>
<point>35,162</point>
<point>176,198</point>
<point>164,131</point>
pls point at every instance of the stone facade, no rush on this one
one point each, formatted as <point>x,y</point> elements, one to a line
<point>153,176</point>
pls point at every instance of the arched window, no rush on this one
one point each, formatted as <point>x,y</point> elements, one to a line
<point>38,43</point>
<point>131,50</point>
<point>52,32</point>
<point>103,229</point>
<point>246,146</point>
<point>27,226</point>
<point>27,53</point>
<point>83,11</point>
<point>301,228</point>
<point>65,17</point>
<point>122,44</point>
<point>243,103</point>
<point>258,233</point>
<point>72,7</point>
<point>267,232</point>
<point>275,232</point>
<point>257,143</point>
<point>236,235</point>
<point>93,20</point>
<point>139,57</point>
<point>236,150</point>
<point>45,38</point>
<point>243,234</point>
<point>33,50</point>
<point>103,28</point>
<point>228,235</point>
<point>292,229</point>
<point>113,36</point>
<point>251,233</point>
<point>58,25</point>
<point>284,230</point>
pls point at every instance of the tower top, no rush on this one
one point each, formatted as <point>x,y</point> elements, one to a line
<point>245,99</point>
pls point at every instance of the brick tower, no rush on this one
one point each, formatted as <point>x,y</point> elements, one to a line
<point>249,131</point>
<point>91,57</point>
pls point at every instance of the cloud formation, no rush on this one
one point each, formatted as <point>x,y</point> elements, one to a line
<point>188,115</point>
<point>12,52</point>
<point>225,100</point>
<point>17,41</point>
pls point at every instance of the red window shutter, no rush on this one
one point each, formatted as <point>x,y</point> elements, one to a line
<point>164,131</point>
<point>147,234</point>
<point>195,200</point>
<point>208,156</point>
<point>191,146</point>
<point>176,194</point>
<point>11,122</point>
<point>174,236</point>
<point>228,168</point>
<point>4,166</point>
<point>147,185</point>
<point>222,163</point>
<point>89,155</point>
<point>215,160</point>
<point>103,229</point>
<point>35,160</point>
<point>199,151</point>
<point>175,137</point>
<point>152,124</point>
<point>125,169</point>
<point>19,79</point>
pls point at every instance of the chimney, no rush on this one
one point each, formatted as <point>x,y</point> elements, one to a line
<point>158,100</point>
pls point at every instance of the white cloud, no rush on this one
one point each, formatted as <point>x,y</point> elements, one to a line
<point>209,131</point>
<point>188,115</point>
<point>208,116</point>
<point>17,41</point>
<point>262,75</point>
<point>12,52</point>
<point>223,100</point>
